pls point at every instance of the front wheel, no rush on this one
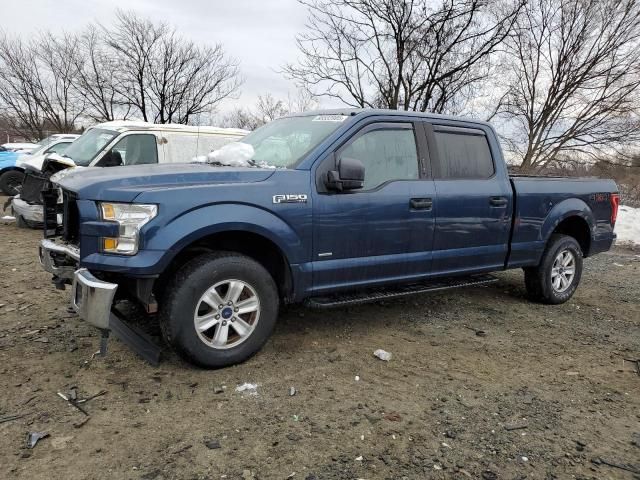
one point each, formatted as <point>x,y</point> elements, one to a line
<point>557,277</point>
<point>10,182</point>
<point>219,309</point>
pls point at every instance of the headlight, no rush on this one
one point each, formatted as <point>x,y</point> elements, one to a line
<point>131,217</point>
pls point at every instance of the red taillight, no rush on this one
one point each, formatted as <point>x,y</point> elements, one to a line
<point>615,203</point>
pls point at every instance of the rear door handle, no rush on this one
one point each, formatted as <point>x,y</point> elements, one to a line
<point>421,203</point>
<point>498,201</point>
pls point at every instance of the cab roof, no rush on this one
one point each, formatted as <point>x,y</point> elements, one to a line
<point>389,112</point>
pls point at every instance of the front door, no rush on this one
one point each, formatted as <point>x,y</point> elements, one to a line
<point>383,232</point>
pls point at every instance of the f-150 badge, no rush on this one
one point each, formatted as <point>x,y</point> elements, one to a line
<point>290,198</point>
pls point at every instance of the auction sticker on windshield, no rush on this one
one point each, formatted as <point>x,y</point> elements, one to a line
<point>330,118</point>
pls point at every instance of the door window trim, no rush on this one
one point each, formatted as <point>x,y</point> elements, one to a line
<point>422,152</point>
<point>430,129</point>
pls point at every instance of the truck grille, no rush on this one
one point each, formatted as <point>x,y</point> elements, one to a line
<point>70,217</point>
<point>32,187</point>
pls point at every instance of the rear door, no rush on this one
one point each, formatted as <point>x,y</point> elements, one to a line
<point>474,201</point>
<point>383,232</point>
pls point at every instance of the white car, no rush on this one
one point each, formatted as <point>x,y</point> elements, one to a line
<point>20,147</point>
<point>12,169</point>
<point>117,143</point>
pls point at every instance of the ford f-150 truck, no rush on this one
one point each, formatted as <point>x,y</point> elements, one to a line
<point>330,208</point>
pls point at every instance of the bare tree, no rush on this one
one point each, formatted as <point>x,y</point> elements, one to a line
<point>165,77</point>
<point>573,74</point>
<point>267,109</point>
<point>61,102</point>
<point>18,91</point>
<point>406,54</point>
<point>36,84</point>
<point>98,78</point>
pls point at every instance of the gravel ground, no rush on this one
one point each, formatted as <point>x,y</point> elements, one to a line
<point>545,393</point>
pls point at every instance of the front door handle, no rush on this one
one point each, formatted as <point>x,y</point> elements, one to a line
<point>421,203</point>
<point>498,202</point>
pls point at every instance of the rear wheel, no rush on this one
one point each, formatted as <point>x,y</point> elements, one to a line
<point>11,181</point>
<point>557,277</point>
<point>219,309</point>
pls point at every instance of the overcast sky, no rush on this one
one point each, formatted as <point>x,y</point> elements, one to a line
<point>260,34</point>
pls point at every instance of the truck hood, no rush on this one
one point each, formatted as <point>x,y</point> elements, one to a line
<point>124,184</point>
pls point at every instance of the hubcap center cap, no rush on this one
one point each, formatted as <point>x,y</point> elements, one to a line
<point>227,313</point>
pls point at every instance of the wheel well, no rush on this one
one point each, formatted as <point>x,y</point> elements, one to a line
<point>11,169</point>
<point>578,228</point>
<point>253,245</point>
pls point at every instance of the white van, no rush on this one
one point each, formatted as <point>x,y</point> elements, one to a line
<point>117,143</point>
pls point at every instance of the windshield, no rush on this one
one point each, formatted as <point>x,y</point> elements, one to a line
<point>46,141</point>
<point>83,150</point>
<point>283,142</point>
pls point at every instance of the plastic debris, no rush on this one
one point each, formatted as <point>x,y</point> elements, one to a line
<point>248,388</point>
<point>292,391</point>
<point>382,355</point>
<point>34,437</point>
<point>8,218</point>
<point>357,378</point>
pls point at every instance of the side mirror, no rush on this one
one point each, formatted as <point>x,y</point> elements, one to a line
<point>349,176</point>
<point>111,159</point>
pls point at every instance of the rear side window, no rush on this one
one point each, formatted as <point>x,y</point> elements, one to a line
<point>463,156</point>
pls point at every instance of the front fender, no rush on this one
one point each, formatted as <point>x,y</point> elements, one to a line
<point>162,241</point>
<point>199,223</point>
<point>567,208</point>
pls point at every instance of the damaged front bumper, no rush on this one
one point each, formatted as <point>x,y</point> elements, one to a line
<point>93,299</point>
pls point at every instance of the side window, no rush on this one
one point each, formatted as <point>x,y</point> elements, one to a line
<point>463,155</point>
<point>387,154</point>
<point>58,147</point>
<point>137,149</point>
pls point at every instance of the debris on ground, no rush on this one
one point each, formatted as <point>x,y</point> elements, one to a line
<point>479,333</point>
<point>212,443</point>
<point>515,426</point>
<point>393,417</point>
<point>622,466</point>
<point>8,218</point>
<point>382,355</point>
<point>249,388</point>
<point>11,418</point>
<point>292,391</point>
<point>34,437</point>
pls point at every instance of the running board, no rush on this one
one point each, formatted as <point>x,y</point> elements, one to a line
<point>375,294</point>
<point>133,337</point>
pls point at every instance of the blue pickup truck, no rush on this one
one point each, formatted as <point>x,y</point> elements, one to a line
<point>330,208</point>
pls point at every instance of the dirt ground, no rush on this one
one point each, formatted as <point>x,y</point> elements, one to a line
<point>545,394</point>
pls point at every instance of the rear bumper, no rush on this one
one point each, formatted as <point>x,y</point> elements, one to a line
<point>602,243</point>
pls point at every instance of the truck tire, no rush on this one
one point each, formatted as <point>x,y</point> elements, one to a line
<point>556,279</point>
<point>219,309</point>
<point>11,181</point>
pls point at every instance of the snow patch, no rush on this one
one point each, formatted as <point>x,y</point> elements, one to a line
<point>235,154</point>
<point>628,226</point>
